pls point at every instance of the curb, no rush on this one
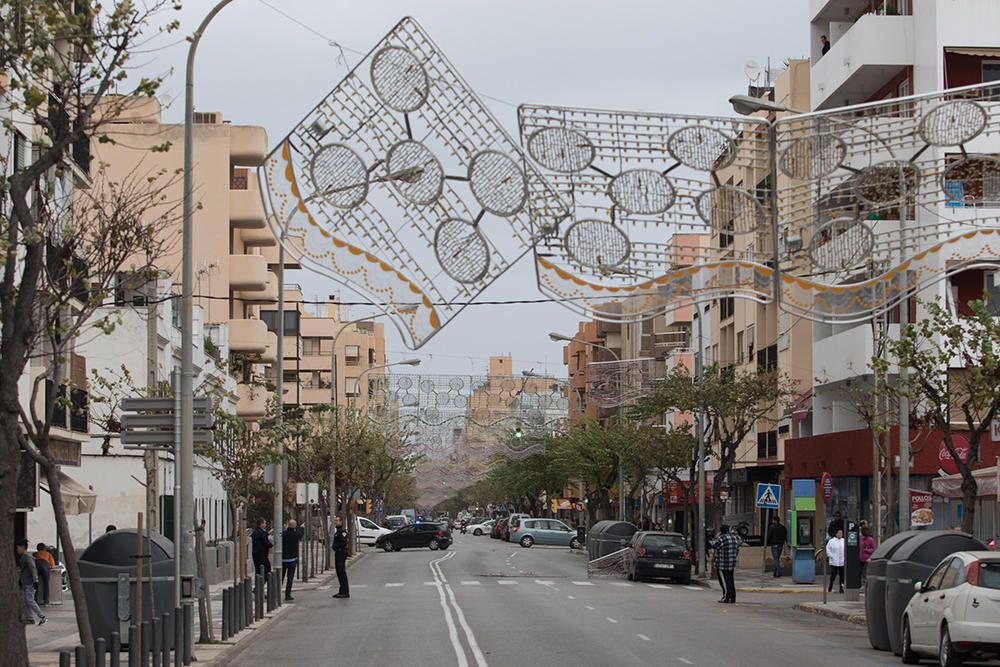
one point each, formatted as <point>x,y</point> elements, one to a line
<point>778,591</point>
<point>856,619</point>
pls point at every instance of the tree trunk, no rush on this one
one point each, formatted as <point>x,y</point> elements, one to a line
<point>72,564</point>
<point>206,634</point>
<point>970,493</point>
<point>15,650</point>
<point>349,518</point>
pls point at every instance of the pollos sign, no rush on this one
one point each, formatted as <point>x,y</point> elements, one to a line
<point>826,483</point>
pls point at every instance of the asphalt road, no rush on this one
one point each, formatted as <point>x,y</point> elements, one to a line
<point>487,602</point>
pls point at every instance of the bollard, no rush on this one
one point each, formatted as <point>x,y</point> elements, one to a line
<point>167,632</point>
<point>81,656</point>
<point>225,612</point>
<point>157,641</point>
<point>178,636</point>
<point>133,659</point>
<point>258,597</point>
<point>116,650</point>
<point>64,659</point>
<point>268,588</point>
<point>147,639</point>
<point>188,632</point>
<point>247,602</point>
<point>100,649</point>
<point>238,608</point>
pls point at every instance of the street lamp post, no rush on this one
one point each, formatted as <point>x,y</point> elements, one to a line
<point>184,506</point>
<point>621,473</point>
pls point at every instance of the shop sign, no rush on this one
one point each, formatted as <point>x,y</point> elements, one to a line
<point>921,508</point>
<point>945,461</point>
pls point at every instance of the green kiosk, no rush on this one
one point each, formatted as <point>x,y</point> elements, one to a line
<point>803,540</point>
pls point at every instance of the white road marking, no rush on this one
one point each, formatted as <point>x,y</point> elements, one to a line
<point>430,583</point>
<point>352,586</point>
<point>644,638</point>
<point>659,586</point>
<point>544,582</point>
<point>327,587</point>
<point>470,636</point>
<point>589,608</point>
<point>623,584</point>
<point>393,585</point>
<point>469,583</point>
<point>583,583</point>
<point>609,619</point>
<point>456,643</point>
<point>694,588</point>
<point>505,582</point>
<point>512,555</point>
<point>570,597</point>
<point>685,661</point>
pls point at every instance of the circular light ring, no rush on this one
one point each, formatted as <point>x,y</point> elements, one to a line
<point>415,172</point>
<point>642,192</point>
<point>887,182</point>
<point>597,244</point>
<point>813,157</point>
<point>426,386</point>
<point>399,79</point>
<point>456,384</point>
<point>461,401</point>
<point>461,250</point>
<point>405,382</point>
<point>497,183</point>
<point>442,400</point>
<point>409,400</point>
<point>971,173</point>
<point>953,123</point>
<point>561,149</point>
<point>702,147</point>
<point>840,244</point>
<point>432,414</point>
<point>730,209</point>
<point>339,176</point>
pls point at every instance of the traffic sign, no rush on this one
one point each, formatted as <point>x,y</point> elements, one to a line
<point>163,420</point>
<point>579,507</point>
<point>166,404</point>
<point>165,438</point>
<point>827,485</point>
<point>768,496</point>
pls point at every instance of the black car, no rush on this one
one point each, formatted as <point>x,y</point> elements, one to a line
<point>658,554</point>
<point>434,536</point>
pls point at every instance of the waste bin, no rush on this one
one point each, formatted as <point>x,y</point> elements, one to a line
<point>607,537</point>
<point>878,632</point>
<point>912,561</point>
<point>56,584</point>
<point>581,535</point>
<point>107,571</point>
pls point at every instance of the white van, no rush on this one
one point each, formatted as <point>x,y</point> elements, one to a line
<point>369,531</point>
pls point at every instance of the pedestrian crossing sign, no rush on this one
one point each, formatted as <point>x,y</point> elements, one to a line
<point>768,496</point>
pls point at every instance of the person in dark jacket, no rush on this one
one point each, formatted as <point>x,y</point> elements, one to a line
<point>777,535</point>
<point>28,580</point>
<point>44,562</point>
<point>260,544</point>
<point>290,538</point>
<point>727,552</point>
<point>836,524</point>
<point>340,559</point>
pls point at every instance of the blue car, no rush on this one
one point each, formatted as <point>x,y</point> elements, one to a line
<point>544,531</point>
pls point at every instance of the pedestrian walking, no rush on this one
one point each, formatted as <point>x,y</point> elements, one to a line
<point>777,535</point>
<point>260,543</point>
<point>726,546</point>
<point>836,524</point>
<point>340,558</point>
<point>835,554</point>
<point>44,562</point>
<point>290,538</point>
<point>28,579</point>
<point>867,548</point>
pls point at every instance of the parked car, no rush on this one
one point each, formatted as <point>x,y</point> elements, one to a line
<point>654,554</point>
<point>496,532</point>
<point>513,521</point>
<point>478,529</point>
<point>395,521</point>
<point>432,535</point>
<point>368,531</point>
<point>544,531</point>
<point>955,614</point>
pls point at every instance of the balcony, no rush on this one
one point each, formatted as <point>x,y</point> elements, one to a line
<point>251,401</point>
<point>267,295</point>
<point>247,336</point>
<point>258,238</point>
<point>866,57</point>
<point>247,145</point>
<point>845,354</point>
<point>246,210</point>
<point>270,355</point>
<point>248,273</point>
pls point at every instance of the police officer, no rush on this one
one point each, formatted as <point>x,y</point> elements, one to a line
<point>340,558</point>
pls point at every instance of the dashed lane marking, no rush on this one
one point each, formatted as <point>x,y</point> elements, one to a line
<point>504,582</point>
<point>469,583</point>
<point>583,583</point>
<point>623,584</point>
<point>664,586</point>
<point>694,588</point>
<point>393,585</point>
<point>589,608</point>
<point>685,661</point>
<point>643,637</point>
<point>430,583</point>
<point>326,588</point>
<point>570,597</point>
<point>610,620</point>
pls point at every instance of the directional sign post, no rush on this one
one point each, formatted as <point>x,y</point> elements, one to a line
<point>151,426</point>
<point>768,496</point>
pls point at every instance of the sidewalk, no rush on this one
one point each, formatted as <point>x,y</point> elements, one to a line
<point>60,633</point>
<point>851,612</point>
<point>750,581</point>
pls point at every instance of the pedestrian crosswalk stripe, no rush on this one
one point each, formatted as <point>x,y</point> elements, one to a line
<point>430,583</point>
<point>584,583</point>
<point>504,582</point>
<point>644,638</point>
<point>354,586</point>
<point>610,620</point>
<point>693,588</point>
<point>325,588</point>
<point>623,584</point>
<point>470,583</point>
<point>659,586</point>
<point>393,585</point>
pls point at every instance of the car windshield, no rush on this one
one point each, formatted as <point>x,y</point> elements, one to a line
<point>989,575</point>
<point>662,541</point>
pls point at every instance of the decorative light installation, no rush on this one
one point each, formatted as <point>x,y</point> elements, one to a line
<point>611,384</point>
<point>401,185</point>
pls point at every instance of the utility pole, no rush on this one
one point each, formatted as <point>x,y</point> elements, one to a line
<point>699,431</point>
<point>278,509</point>
<point>904,372</point>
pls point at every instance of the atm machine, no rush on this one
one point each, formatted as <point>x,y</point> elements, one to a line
<point>804,540</point>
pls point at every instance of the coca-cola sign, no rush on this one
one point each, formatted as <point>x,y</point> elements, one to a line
<point>945,461</point>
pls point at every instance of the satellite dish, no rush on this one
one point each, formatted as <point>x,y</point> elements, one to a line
<point>753,70</point>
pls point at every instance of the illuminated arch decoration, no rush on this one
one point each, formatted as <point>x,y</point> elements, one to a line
<point>655,201</point>
<point>886,198</point>
<point>401,185</point>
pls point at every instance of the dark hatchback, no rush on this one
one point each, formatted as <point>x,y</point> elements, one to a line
<point>433,536</point>
<point>658,555</point>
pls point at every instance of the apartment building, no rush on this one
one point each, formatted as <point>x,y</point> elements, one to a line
<point>882,50</point>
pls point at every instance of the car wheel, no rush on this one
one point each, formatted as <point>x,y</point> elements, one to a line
<point>526,541</point>
<point>444,546</point>
<point>574,543</point>
<point>908,656</point>
<point>387,545</point>
<point>947,655</point>
<point>434,545</point>
<point>477,532</point>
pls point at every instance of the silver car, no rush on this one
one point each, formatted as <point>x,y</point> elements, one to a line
<point>544,531</point>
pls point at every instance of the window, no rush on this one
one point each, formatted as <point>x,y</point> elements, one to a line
<point>269,317</point>
<point>767,359</point>
<point>750,342</point>
<point>990,70</point>
<point>311,347</point>
<point>292,323</point>
<point>954,575</point>
<point>740,350</point>
<point>290,376</point>
<point>727,307</point>
<point>767,445</point>
<point>351,387</point>
<point>352,355</point>
<point>20,151</point>
<point>933,582</point>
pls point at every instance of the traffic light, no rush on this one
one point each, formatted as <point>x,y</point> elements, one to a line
<point>518,433</point>
<point>586,501</point>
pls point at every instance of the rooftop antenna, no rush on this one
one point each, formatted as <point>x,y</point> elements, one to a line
<point>753,71</point>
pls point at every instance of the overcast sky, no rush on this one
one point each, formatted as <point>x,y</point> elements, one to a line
<point>259,67</point>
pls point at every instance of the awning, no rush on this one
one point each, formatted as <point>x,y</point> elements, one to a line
<point>950,486</point>
<point>799,408</point>
<point>76,498</point>
<point>984,52</point>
